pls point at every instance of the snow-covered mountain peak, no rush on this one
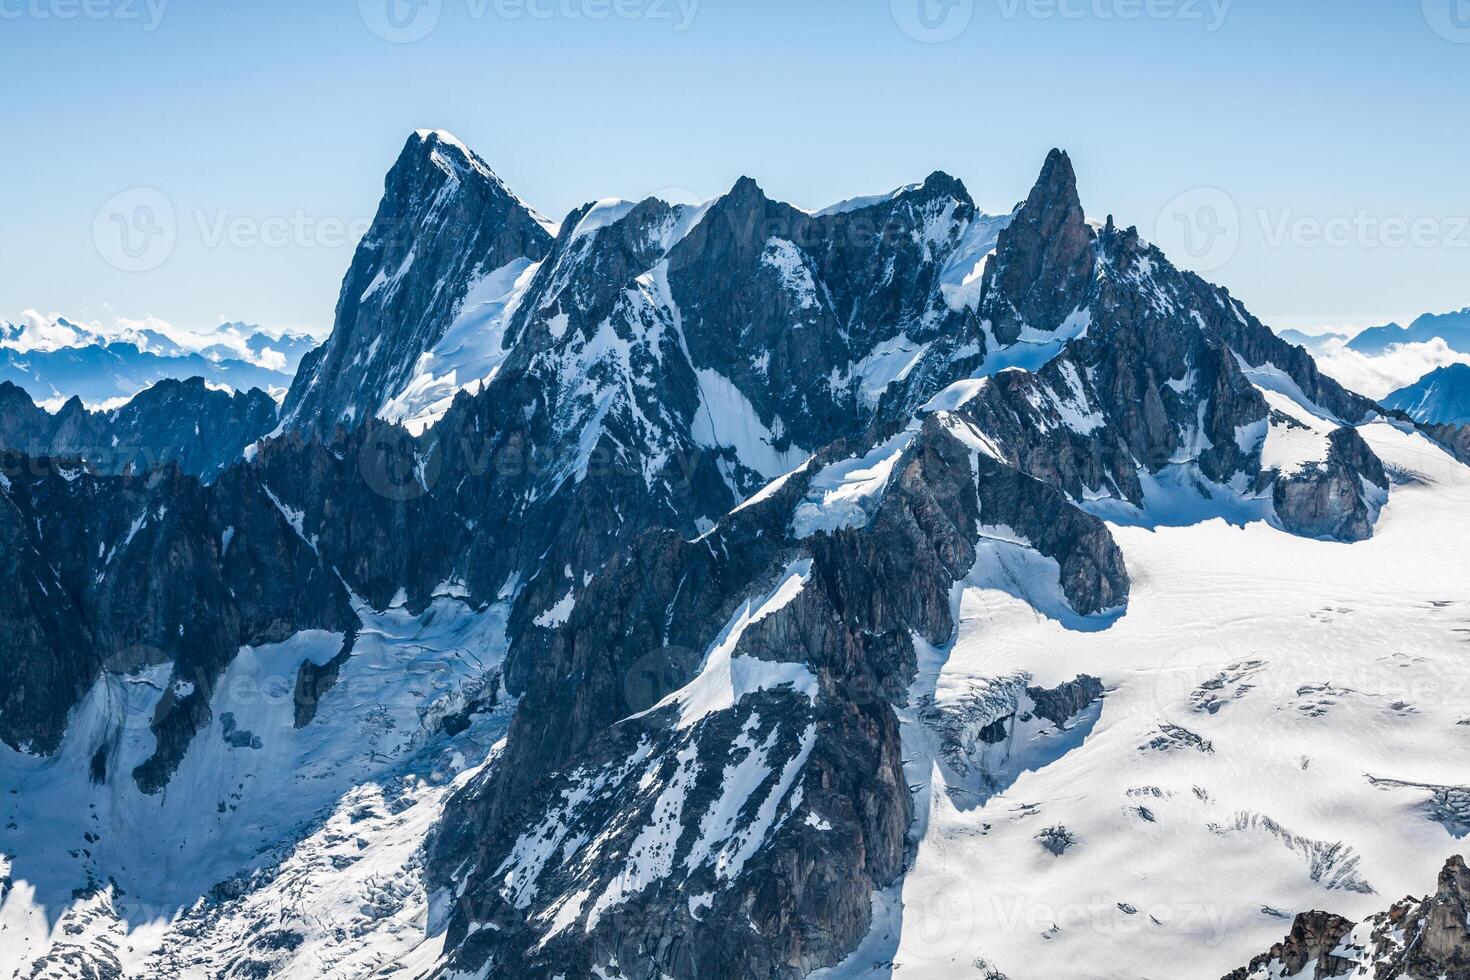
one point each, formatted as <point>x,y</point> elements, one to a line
<point>443,136</point>
<point>446,224</point>
<point>451,155</point>
<point>793,541</point>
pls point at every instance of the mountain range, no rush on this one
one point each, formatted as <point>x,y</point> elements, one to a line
<point>1453,328</point>
<point>734,590</point>
<point>54,359</point>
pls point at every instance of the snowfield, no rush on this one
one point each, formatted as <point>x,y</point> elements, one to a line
<point>1259,691</point>
<point>315,829</point>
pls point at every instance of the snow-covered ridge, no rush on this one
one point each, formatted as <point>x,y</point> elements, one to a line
<point>866,201</point>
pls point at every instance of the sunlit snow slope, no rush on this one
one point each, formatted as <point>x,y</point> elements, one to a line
<point>1278,712</point>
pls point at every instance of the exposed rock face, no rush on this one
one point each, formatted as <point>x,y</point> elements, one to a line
<point>202,431</point>
<point>1157,374</point>
<point>728,466</point>
<point>623,400</point>
<point>445,222</point>
<point>1060,704</point>
<point>49,656</point>
<point>1455,437</point>
<point>1426,939</point>
<point>1338,499</point>
<point>1146,381</point>
<point>1313,939</point>
<point>121,572</point>
<point>759,885</point>
<point>186,423</point>
<point>1044,260</point>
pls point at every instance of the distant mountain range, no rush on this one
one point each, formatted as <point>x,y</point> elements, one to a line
<point>1452,328</point>
<point>54,359</point>
<point>1441,397</point>
<point>1312,341</point>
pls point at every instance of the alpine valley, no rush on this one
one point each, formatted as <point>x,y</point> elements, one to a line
<point>738,591</point>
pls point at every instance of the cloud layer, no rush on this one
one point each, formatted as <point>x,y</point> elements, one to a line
<point>1401,365</point>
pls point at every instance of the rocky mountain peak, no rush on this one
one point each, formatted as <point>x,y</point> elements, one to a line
<point>72,408</point>
<point>13,394</point>
<point>1057,185</point>
<point>1441,397</point>
<point>940,182</point>
<point>745,191</point>
<point>1044,259</point>
<point>444,151</point>
<point>446,224</point>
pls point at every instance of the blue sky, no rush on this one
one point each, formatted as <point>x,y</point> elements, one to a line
<point>1309,154</point>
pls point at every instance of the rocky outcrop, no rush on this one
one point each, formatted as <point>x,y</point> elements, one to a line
<point>1456,438</point>
<point>1338,499</point>
<point>1059,704</point>
<point>1311,943</point>
<point>1417,939</point>
<point>978,727</point>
